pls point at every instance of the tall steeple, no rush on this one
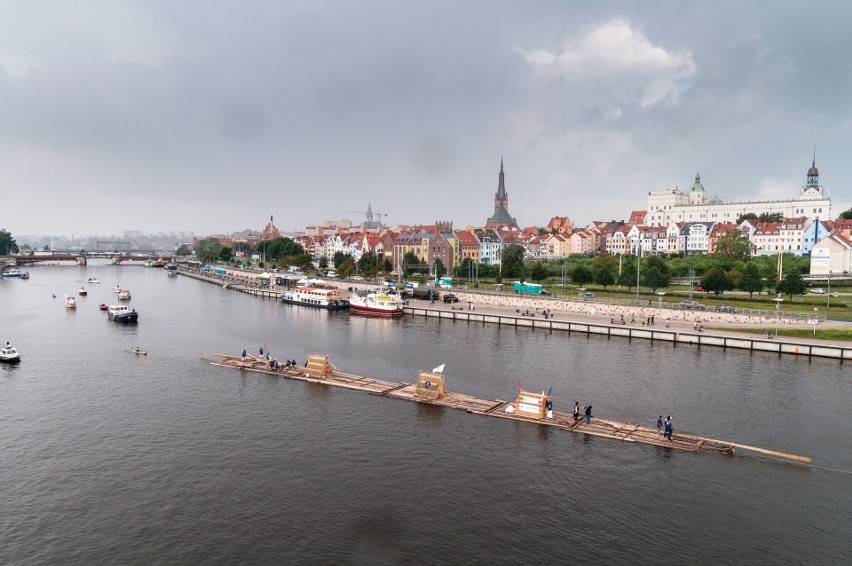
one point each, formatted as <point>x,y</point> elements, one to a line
<point>501,185</point>
<point>501,216</point>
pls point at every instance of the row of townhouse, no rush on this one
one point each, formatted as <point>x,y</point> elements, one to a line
<point>793,235</point>
<point>426,243</point>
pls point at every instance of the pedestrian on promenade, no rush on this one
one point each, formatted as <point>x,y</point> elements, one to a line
<point>652,320</point>
<point>576,410</point>
<point>659,425</point>
<point>669,428</point>
<point>632,319</point>
<point>667,322</point>
<point>588,409</point>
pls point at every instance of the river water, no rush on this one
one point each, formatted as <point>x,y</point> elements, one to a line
<point>112,458</point>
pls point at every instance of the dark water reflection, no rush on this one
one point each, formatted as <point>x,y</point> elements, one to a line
<point>113,458</point>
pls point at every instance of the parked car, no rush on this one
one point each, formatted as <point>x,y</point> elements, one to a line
<point>450,298</point>
<point>587,295</point>
<point>692,305</point>
<point>818,291</point>
<point>546,293</point>
<point>725,308</point>
<point>462,287</point>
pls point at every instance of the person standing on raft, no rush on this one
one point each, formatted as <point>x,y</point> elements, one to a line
<point>576,410</point>
<point>588,409</point>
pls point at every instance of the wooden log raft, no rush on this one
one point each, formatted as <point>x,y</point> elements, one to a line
<point>318,371</point>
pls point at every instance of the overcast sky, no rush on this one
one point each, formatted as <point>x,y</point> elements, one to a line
<point>211,116</point>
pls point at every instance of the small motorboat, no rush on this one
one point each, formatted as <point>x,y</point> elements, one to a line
<point>124,295</point>
<point>93,281</point>
<point>82,292</point>
<point>116,289</point>
<point>123,313</point>
<point>9,355</point>
<point>70,303</point>
<point>103,307</point>
<point>25,275</point>
<point>139,351</point>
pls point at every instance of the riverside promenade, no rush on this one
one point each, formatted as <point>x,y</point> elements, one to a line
<point>669,325</point>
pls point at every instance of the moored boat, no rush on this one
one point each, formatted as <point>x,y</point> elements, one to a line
<point>25,275</point>
<point>122,313</point>
<point>12,273</point>
<point>103,306</point>
<point>316,297</point>
<point>9,354</point>
<point>376,303</point>
<point>70,303</point>
<point>116,289</point>
<point>93,280</point>
<point>82,292</point>
<point>124,295</point>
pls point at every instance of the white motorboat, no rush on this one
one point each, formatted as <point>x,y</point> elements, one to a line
<point>9,354</point>
<point>70,303</point>
<point>376,303</point>
<point>12,273</point>
<point>116,289</point>
<point>124,295</point>
<point>93,280</point>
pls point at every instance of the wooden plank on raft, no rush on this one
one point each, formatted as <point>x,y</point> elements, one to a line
<point>494,407</point>
<point>392,389</point>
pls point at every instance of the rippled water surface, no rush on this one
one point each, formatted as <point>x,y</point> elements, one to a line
<point>112,458</point>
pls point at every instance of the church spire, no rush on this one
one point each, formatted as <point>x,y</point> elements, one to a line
<point>501,185</point>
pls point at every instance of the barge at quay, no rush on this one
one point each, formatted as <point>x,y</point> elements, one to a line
<point>430,389</point>
<point>316,297</point>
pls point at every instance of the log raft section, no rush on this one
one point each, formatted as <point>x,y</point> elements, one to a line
<point>605,428</point>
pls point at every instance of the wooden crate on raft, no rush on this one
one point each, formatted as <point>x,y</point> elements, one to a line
<point>430,386</point>
<point>532,405</point>
<point>318,367</point>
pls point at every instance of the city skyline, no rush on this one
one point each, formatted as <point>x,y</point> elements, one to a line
<point>167,118</point>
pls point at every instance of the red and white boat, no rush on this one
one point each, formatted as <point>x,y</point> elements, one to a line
<point>376,303</point>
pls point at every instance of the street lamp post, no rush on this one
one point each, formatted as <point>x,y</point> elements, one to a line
<point>638,264</point>
<point>777,312</point>
<point>828,295</point>
<point>660,294</point>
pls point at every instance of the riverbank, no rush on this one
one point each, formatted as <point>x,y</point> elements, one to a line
<point>663,325</point>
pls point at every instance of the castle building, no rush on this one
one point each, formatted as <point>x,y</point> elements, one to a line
<point>501,217</point>
<point>673,205</point>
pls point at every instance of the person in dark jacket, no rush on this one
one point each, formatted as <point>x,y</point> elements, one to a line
<point>588,409</point>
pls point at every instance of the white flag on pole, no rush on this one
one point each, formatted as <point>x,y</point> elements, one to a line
<point>439,369</point>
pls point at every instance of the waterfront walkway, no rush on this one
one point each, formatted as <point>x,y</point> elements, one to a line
<point>599,318</point>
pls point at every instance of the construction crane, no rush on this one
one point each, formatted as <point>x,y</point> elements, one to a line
<point>369,214</point>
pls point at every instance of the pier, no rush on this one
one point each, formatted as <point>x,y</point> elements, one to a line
<point>602,427</point>
<point>711,338</point>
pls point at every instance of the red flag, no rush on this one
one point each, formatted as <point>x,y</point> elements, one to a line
<point>519,387</point>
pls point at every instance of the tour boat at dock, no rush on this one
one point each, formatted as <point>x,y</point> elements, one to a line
<point>376,303</point>
<point>316,297</point>
<point>122,313</point>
